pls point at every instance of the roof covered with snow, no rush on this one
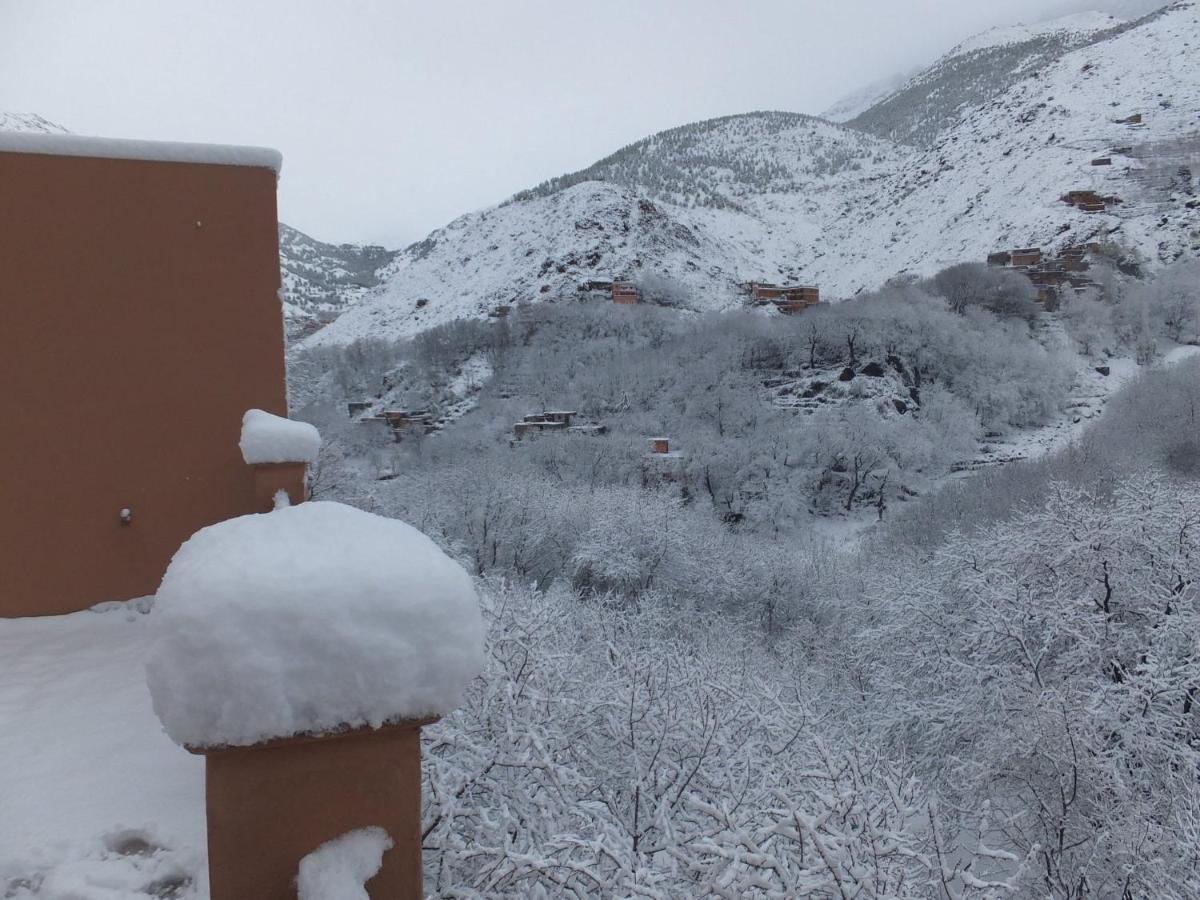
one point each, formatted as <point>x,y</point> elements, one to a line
<point>50,144</point>
<point>309,619</point>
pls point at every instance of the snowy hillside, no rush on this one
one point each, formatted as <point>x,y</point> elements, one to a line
<point>701,208</point>
<point>858,102</point>
<point>974,72</point>
<point>996,178</point>
<point>1074,27</point>
<point>999,133</point>
<point>722,162</point>
<point>320,280</point>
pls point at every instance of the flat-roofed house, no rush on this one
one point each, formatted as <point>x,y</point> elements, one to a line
<point>626,293</point>
<point>787,298</point>
<point>1028,256</point>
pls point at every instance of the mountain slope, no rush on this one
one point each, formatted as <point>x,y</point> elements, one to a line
<point>700,208</point>
<point>853,105</point>
<point>322,280</point>
<point>778,196</point>
<point>974,72</point>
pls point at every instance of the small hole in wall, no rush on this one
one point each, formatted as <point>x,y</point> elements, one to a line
<point>126,515</point>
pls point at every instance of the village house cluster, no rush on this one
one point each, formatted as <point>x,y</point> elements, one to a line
<point>789,299</point>
<point>1050,275</point>
<point>399,421</point>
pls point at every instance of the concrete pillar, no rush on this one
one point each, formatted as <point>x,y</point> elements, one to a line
<point>272,804</point>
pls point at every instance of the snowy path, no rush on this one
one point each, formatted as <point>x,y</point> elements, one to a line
<point>1089,392</point>
<point>90,784</point>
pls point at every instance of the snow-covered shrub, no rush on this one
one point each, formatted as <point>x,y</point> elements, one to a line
<point>617,751</point>
<point>1049,667</point>
<point>1004,292</point>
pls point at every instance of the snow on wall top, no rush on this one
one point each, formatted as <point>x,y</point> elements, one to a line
<point>267,438</point>
<point>308,619</point>
<point>51,144</point>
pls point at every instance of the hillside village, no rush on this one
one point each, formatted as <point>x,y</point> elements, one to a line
<point>849,206</point>
<point>781,506</point>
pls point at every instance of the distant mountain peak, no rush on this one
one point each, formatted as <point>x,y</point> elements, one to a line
<point>721,162</point>
<point>1082,23</point>
<point>28,122</point>
<point>971,156</point>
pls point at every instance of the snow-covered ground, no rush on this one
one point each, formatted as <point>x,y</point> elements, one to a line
<point>1090,391</point>
<point>91,785</point>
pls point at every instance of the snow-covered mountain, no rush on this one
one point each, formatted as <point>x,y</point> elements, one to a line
<point>855,104</point>
<point>28,122</point>
<point>972,155</point>
<point>974,72</point>
<point>319,280</point>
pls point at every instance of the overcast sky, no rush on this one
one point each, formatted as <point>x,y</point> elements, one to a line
<point>395,117</point>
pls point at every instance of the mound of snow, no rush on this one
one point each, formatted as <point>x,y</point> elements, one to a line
<point>339,869</point>
<point>309,619</point>
<point>267,438</point>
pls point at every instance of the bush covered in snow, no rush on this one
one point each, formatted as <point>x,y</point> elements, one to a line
<point>654,752</point>
<point>770,437</point>
<point>308,619</point>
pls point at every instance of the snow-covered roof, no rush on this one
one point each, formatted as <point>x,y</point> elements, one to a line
<point>158,151</point>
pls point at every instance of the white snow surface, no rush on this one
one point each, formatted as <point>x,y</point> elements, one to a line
<point>87,766</point>
<point>309,619</point>
<point>268,438</point>
<point>339,869</point>
<point>60,144</point>
<point>780,197</point>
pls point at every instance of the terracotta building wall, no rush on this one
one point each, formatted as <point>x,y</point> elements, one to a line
<point>140,321</point>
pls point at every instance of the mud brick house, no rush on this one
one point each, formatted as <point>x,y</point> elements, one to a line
<point>786,298</point>
<point>626,293</point>
<point>142,319</point>
<point>1029,256</point>
<point>540,423</point>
